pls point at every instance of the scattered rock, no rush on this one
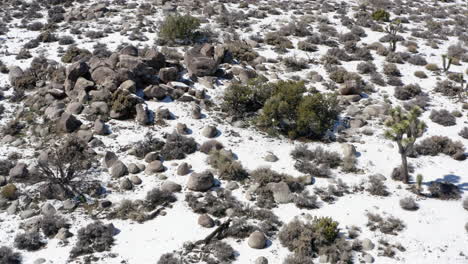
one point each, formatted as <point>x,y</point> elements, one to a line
<point>183,169</point>
<point>48,210</point>
<point>257,240</point>
<point>126,184</point>
<point>171,186</point>
<point>206,221</point>
<point>367,244</point>
<point>118,169</point>
<point>154,167</point>
<point>209,131</point>
<point>200,182</point>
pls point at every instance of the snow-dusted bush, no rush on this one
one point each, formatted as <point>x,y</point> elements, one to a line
<point>227,167</point>
<point>9,191</point>
<point>295,64</point>
<point>30,241</point>
<point>420,74</point>
<point>147,145</point>
<point>378,79</point>
<point>298,259</point>
<point>409,204</point>
<point>178,146</point>
<point>307,46</point>
<point>222,251</point>
<point>157,197</point>
<point>447,88</point>
<point>318,155</point>
<point>51,224</point>
<point>434,145</point>
<point>444,190</point>
<point>391,69</point>
<point>443,117</point>
<point>74,53</point>
<point>366,67</point>
<point>210,145</point>
<point>95,237</point>
<point>8,256</point>
<point>390,225</point>
<point>407,92</point>
<point>377,186</point>
<point>306,201</point>
<point>66,40</point>
<point>169,258</point>
<point>417,60</point>
<point>307,167</point>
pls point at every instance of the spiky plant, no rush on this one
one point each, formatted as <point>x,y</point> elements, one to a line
<point>404,128</point>
<point>446,62</point>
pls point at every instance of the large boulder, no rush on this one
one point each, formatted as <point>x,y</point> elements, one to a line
<point>19,171</point>
<point>200,61</point>
<point>118,169</point>
<point>154,59</point>
<point>142,114</point>
<point>206,221</point>
<point>281,192</point>
<point>109,159</point>
<point>168,74</point>
<point>154,167</point>
<point>257,240</point>
<point>68,123</point>
<point>200,182</point>
<point>183,169</point>
<point>171,186</point>
<point>103,75</point>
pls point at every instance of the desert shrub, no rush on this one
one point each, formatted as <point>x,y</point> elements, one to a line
<point>318,155</point>
<point>263,176</point>
<point>227,167</point>
<point>421,101</point>
<point>306,201</point>
<point>291,113</point>
<point>29,241</point>
<point>157,197</point>
<point>447,88</point>
<point>66,40</point>
<point>306,238</point>
<point>442,117</point>
<point>169,258</point>
<point>390,225</point>
<point>47,37</point>
<point>463,133</point>
<point>295,64</point>
<point>178,146</point>
<point>214,205</point>
<point>434,145</point>
<point>179,28</point>
<point>74,53</point>
<point>378,79</point>
<point>409,204</point>
<point>95,237</point>
<point>50,225</point>
<point>407,92</point>
<point>297,259</point>
<point>8,256</point>
<point>391,69</point>
<point>432,67</point>
<point>444,190</point>
<point>366,67</point>
<point>307,46</point>
<point>280,42</point>
<point>377,186</point>
<point>222,251</point>
<point>395,81</point>
<point>147,145</point>
<point>210,145</point>
<point>239,99</point>
<point>123,102</point>
<point>9,191</point>
<point>417,60</point>
<point>381,15</point>
<point>398,174</point>
<point>128,209</point>
<point>241,51</point>
<point>309,168</point>
<point>420,74</point>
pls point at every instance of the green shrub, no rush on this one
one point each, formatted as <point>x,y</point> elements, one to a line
<point>123,102</point>
<point>381,15</point>
<point>241,51</point>
<point>9,191</point>
<point>228,168</point>
<point>74,53</point>
<point>291,113</point>
<point>178,27</point>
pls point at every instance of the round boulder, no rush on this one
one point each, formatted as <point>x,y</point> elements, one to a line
<point>200,182</point>
<point>257,240</point>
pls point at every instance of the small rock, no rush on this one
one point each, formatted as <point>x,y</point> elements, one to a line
<point>63,234</point>
<point>232,185</point>
<point>210,131</point>
<point>19,171</point>
<point>206,221</point>
<point>126,184</point>
<point>39,261</point>
<point>133,168</point>
<point>154,167</point>
<point>135,180</point>
<point>183,169</point>
<point>368,258</point>
<point>109,159</point>
<point>48,210</point>
<point>261,260</point>
<point>367,244</point>
<point>270,157</point>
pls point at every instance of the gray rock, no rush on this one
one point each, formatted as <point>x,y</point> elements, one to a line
<point>200,182</point>
<point>206,221</point>
<point>68,205</point>
<point>155,92</point>
<point>39,261</point>
<point>101,75</point>
<point>133,168</point>
<point>261,260</point>
<point>368,258</point>
<point>126,184</point>
<point>232,185</point>
<point>19,171</point>
<point>323,259</point>
<point>129,50</point>
<point>367,244</point>
<point>109,159</point>
<point>163,113</point>
<point>281,192</point>
<point>209,131</point>
<point>168,74</point>
<point>13,208</point>
<point>257,240</point>
<point>63,234</point>
<point>68,123</point>
<point>182,129</point>
<point>3,181</point>
<point>14,74</point>
<point>142,114</point>
<point>183,169</point>
<point>270,157</point>
<point>171,186</point>
<point>105,204</point>
<point>81,84</point>
<point>349,151</point>
<point>128,85</point>
<point>135,180</point>
<point>196,112</point>
<point>357,123</point>
<point>200,63</point>
<point>154,167</point>
<point>48,210</point>
<point>118,169</point>
<point>99,127</point>
<point>152,156</point>
<point>27,214</point>
<point>75,108</point>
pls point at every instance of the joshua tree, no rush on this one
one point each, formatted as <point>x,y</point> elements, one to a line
<point>392,29</point>
<point>404,128</point>
<point>446,62</point>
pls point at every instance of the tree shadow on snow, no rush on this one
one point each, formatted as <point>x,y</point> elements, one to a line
<point>454,179</point>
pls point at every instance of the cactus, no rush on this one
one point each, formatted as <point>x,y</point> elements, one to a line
<point>404,128</point>
<point>392,29</point>
<point>419,179</point>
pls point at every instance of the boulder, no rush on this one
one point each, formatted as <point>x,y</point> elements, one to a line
<point>171,186</point>
<point>129,50</point>
<point>368,258</point>
<point>48,210</point>
<point>118,169</point>
<point>14,74</point>
<point>209,131</point>
<point>19,171</point>
<point>142,114</point>
<point>99,127</point>
<point>349,151</point>
<point>367,244</point>
<point>281,192</point>
<point>103,74</point>
<point>257,240</point>
<point>154,167</point>
<point>168,74</point>
<point>351,87</point>
<point>133,168</point>
<point>270,157</point>
<point>199,63</point>
<point>63,234</point>
<point>75,108</point>
<point>68,123</point>
<point>128,85</point>
<point>109,159</point>
<point>183,169</point>
<point>154,59</point>
<point>261,260</point>
<point>136,180</point>
<point>200,182</point>
<point>126,184</point>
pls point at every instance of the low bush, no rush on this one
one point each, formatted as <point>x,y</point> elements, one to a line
<point>435,145</point>
<point>409,204</point>
<point>407,92</point>
<point>74,54</point>
<point>210,145</point>
<point>239,99</point>
<point>432,67</point>
<point>377,186</point>
<point>420,74</point>
<point>390,225</point>
<point>444,190</point>
<point>5,166</point>
<point>241,51</point>
<point>318,155</point>
<point>222,251</point>
<point>297,259</point>
<point>280,42</point>
<point>306,201</point>
<point>9,191</point>
<point>366,67</point>
<point>421,101</point>
<point>50,225</point>
<point>378,79</point>
<point>123,103</point>
<point>391,69</point>
<point>178,146</point>
<point>214,205</point>
<point>169,258</point>
<point>8,256</point>
<point>157,197</point>
<point>179,28</point>
<point>30,241</point>
<point>447,88</point>
<point>442,117</point>
<point>417,60</point>
<point>95,237</point>
<point>227,168</point>
<point>381,15</point>
<point>397,172</point>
